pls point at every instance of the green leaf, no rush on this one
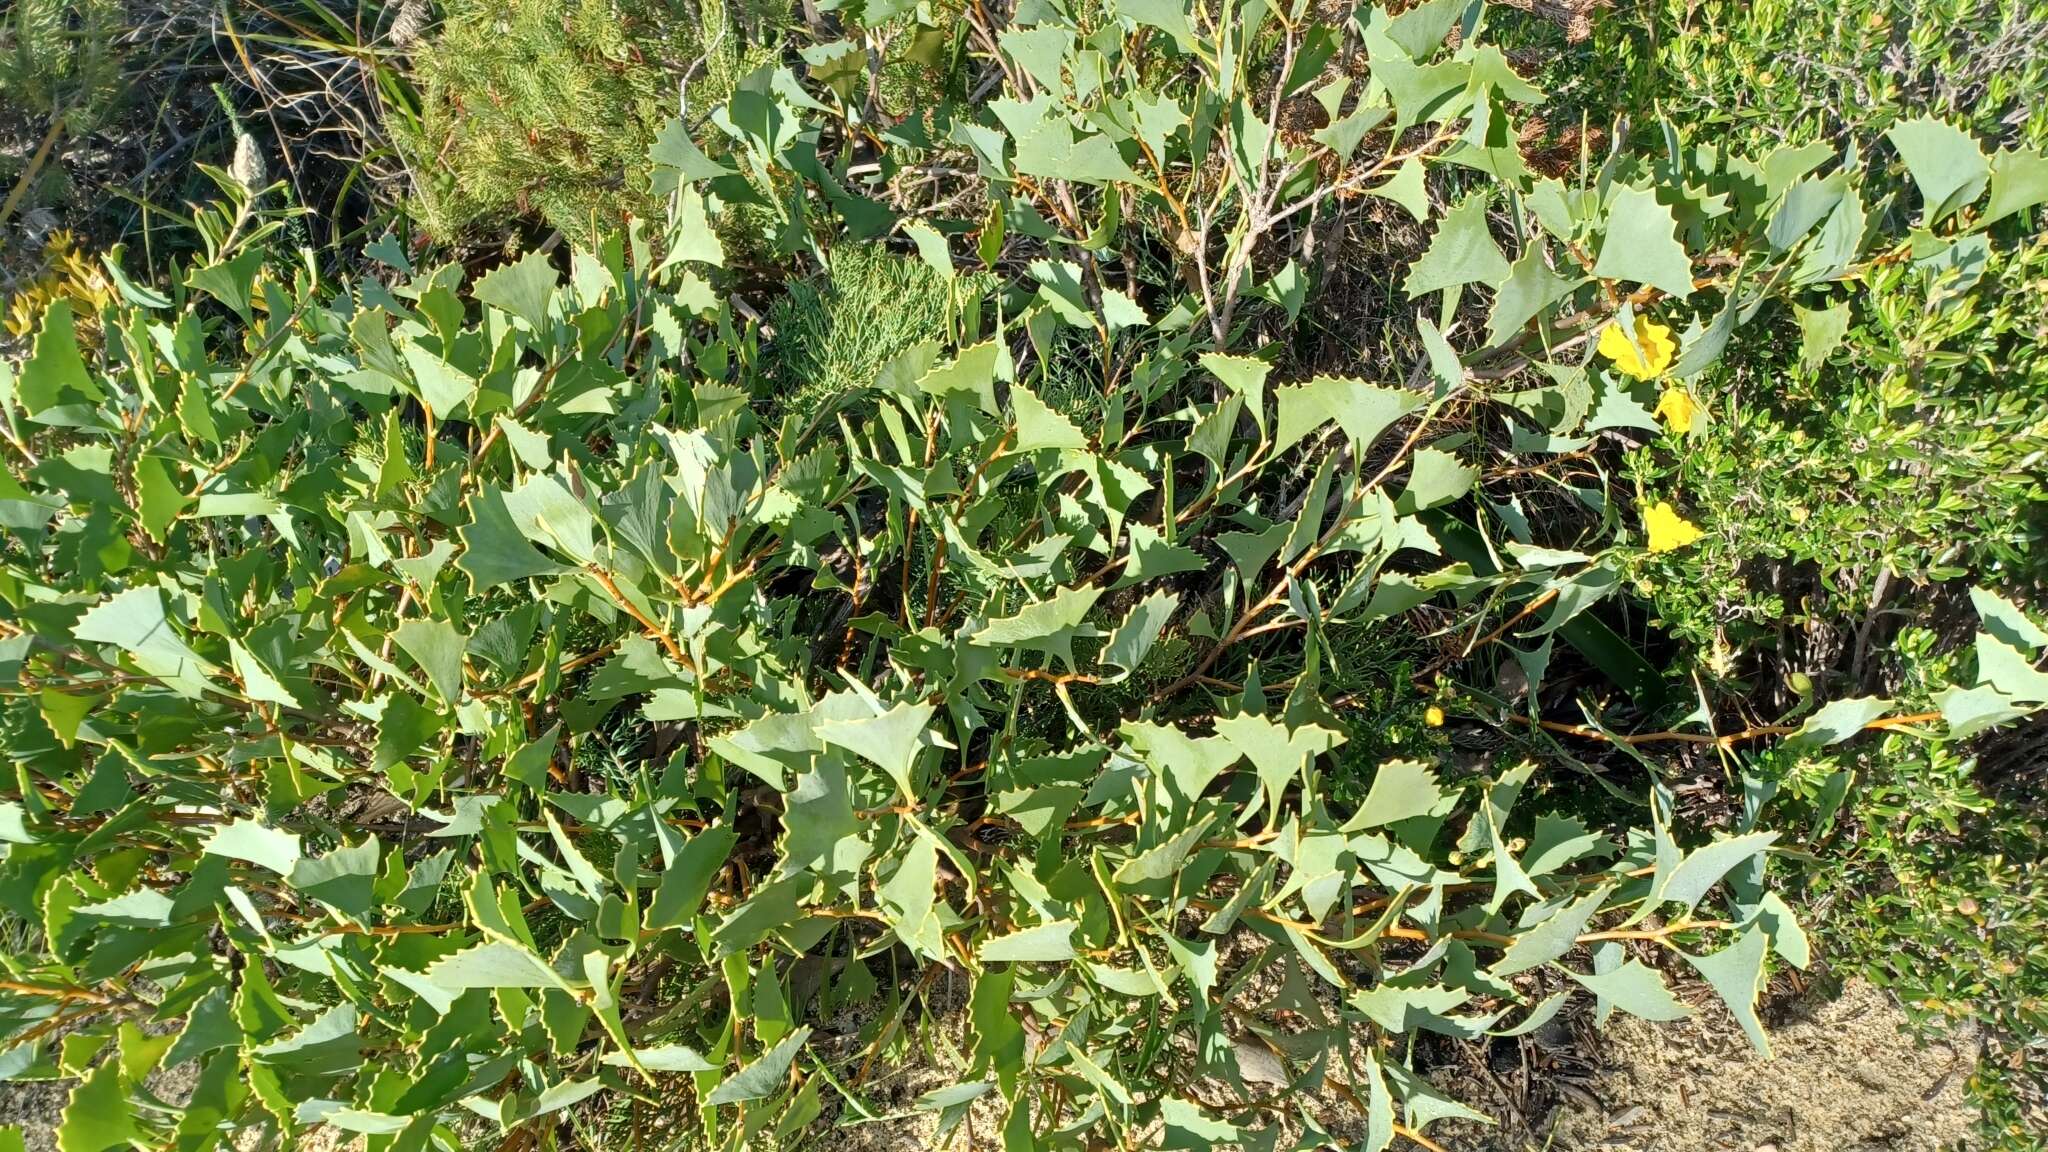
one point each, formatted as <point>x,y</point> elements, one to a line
<point>764,1077</point>
<point>931,247</point>
<point>1736,973</point>
<point>160,498</point>
<point>2010,672</point>
<point>492,964</point>
<point>1788,939</point>
<point>1946,164</point>
<point>1435,477</point>
<point>1188,1127</point>
<point>1243,375</point>
<point>1401,790</point>
<point>688,879</point>
<point>819,814</point>
<point>1161,861</point>
<point>1838,720</point>
<point>1820,333</point>
<point>1462,252</point>
<point>1379,1109</point>
<point>98,1116</point>
<point>890,741</point>
<point>1169,16</point>
<point>998,1036</point>
<point>1531,288</point>
<point>524,289</point>
<point>250,841</point>
<point>437,648</point>
<point>1422,94</point>
<point>529,765</point>
<point>1362,410</point>
<point>691,236</point>
<point>1636,989</point>
<point>1044,942</point>
<point>1553,937</point>
<point>1050,148</point>
<point>135,622</point>
<point>769,909</point>
<point>1249,551</point>
<point>1064,611</point>
<point>664,1058</point>
<point>1134,638</point>
<point>1560,841</point>
<point>1041,427</point>
<point>1041,51</point>
<point>1704,867</point>
<point>343,879</point>
<point>1343,135</point>
<point>1408,1009</point>
<point>404,727</point>
<point>2005,622</point>
<point>258,681</point>
<point>549,514</point>
<point>971,373</point>
<point>1152,557</point>
<point>55,376</point>
<point>1420,30</point>
<point>231,281</point>
<point>2019,180</point>
<point>677,160</point>
<point>494,549</point>
<point>1640,245</point>
<point>909,898</point>
<point>1277,753</point>
<point>1968,711</point>
<point>1408,189</point>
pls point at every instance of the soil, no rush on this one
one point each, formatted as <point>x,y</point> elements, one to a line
<point>1844,1077</point>
<point>35,1107</point>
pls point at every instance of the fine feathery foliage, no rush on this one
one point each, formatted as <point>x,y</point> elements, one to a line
<point>58,60</point>
<point>546,107</point>
<point>831,337</point>
<point>436,704</point>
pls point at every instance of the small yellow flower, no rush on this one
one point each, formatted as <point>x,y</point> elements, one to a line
<point>1678,410</point>
<point>1433,716</point>
<point>1647,356</point>
<point>1668,530</point>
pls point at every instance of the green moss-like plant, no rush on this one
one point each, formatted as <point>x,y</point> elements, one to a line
<point>834,333</point>
<point>546,108</point>
<point>60,66</point>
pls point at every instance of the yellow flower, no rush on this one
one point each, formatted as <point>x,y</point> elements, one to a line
<point>1433,716</point>
<point>1678,410</point>
<point>1668,530</point>
<point>1647,356</point>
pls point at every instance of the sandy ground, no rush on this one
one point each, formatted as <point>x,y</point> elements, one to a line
<point>1843,1078</point>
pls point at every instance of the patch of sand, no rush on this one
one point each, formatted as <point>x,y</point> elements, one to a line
<point>1844,1077</point>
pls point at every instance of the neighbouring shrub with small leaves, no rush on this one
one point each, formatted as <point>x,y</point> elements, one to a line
<point>439,704</point>
<point>1869,466</point>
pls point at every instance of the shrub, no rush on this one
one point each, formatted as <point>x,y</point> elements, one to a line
<point>1867,482</point>
<point>435,704</point>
